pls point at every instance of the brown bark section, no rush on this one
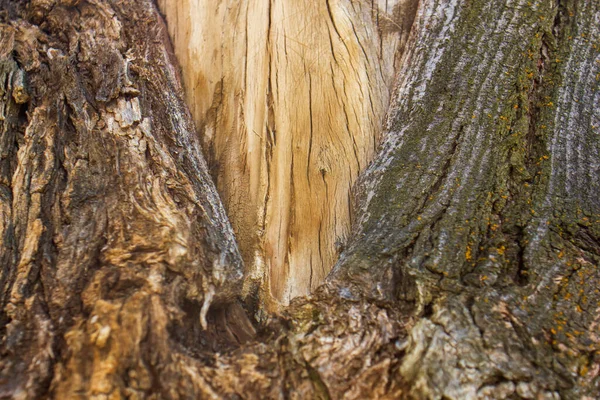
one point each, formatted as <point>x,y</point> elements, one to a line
<point>112,234</point>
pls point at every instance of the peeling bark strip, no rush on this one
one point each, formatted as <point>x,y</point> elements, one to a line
<point>290,98</point>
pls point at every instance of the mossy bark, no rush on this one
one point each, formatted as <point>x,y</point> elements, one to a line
<point>471,272</point>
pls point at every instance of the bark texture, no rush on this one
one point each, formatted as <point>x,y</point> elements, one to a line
<point>482,207</point>
<point>112,232</point>
<point>471,271</point>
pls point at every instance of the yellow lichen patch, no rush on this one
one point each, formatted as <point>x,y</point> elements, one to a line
<point>468,253</point>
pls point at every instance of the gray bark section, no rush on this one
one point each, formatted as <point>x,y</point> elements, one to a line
<point>472,270</point>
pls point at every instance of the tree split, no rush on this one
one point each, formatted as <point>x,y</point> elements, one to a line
<point>471,267</point>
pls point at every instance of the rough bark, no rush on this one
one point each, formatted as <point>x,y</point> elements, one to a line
<point>471,270</point>
<point>113,236</point>
<point>482,207</point>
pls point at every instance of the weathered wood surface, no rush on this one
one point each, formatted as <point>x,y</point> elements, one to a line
<point>471,271</point>
<point>289,98</point>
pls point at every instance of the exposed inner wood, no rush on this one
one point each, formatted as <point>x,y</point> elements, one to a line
<point>289,97</point>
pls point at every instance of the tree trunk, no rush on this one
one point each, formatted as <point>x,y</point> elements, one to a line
<point>471,267</point>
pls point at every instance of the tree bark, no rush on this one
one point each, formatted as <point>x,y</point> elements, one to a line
<point>113,235</point>
<point>471,270</point>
